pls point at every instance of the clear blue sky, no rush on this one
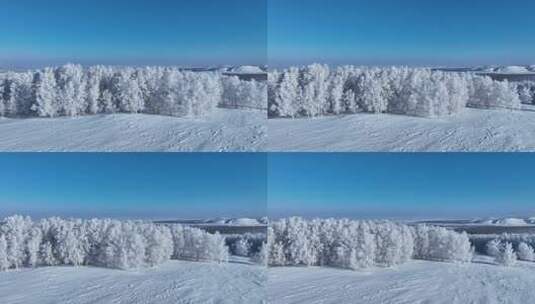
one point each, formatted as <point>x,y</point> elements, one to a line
<point>403,185</point>
<point>409,32</point>
<point>200,32</point>
<point>146,185</point>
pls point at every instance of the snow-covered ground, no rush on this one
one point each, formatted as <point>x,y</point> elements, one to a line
<point>176,282</point>
<point>224,130</point>
<point>411,283</point>
<point>473,130</point>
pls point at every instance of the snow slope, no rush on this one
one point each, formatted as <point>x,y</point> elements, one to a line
<point>512,70</point>
<point>247,69</point>
<point>472,130</point>
<point>506,222</point>
<point>176,282</point>
<point>412,283</point>
<point>225,130</point>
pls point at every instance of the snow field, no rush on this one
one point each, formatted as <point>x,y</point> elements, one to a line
<point>72,90</point>
<point>174,282</point>
<point>474,130</point>
<point>225,130</point>
<point>361,244</point>
<point>317,90</point>
<point>415,282</point>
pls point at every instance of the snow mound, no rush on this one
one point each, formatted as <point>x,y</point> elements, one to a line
<point>247,69</point>
<point>511,222</point>
<point>512,70</point>
<point>244,222</point>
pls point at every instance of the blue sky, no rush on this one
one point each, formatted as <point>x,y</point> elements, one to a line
<point>200,32</point>
<point>406,185</point>
<point>146,185</point>
<point>409,32</point>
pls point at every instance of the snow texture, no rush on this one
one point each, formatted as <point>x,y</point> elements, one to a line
<point>175,282</point>
<point>225,130</point>
<point>413,282</point>
<point>471,131</point>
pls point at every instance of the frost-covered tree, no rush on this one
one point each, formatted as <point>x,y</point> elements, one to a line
<point>130,95</point>
<point>507,256</point>
<point>242,247</point>
<point>361,244</point>
<point>72,90</point>
<point>4,262</point>
<point>195,244</point>
<point>46,255</point>
<point>3,94</point>
<point>32,247</point>
<point>106,103</point>
<point>494,247</point>
<point>107,243</point>
<point>94,79</point>
<point>46,99</point>
<point>525,252</point>
<point>318,90</point>
<point>288,97</point>
<point>526,94</point>
<point>262,256</point>
<point>438,243</point>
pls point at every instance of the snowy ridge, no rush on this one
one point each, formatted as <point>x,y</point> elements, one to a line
<point>247,69</point>
<point>513,69</point>
<point>506,221</point>
<point>236,221</point>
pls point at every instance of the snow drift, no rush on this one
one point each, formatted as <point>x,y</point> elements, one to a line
<point>361,244</point>
<point>72,90</point>
<point>102,242</point>
<point>506,222</point>
<point>319,90</point>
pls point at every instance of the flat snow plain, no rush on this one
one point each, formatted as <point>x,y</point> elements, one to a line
<point>176,282</point>
<point>474,130</point>
<point>416,282</point>
<point>225,130</point>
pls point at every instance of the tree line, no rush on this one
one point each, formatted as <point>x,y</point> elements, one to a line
<point>72,90</point>
<point>317,90</point>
